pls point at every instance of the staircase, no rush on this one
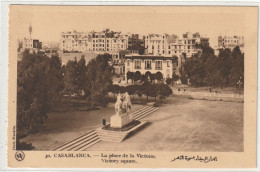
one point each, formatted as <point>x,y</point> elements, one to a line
<point>81,143</point>
<point>144,111</point>
<point>119,136</point>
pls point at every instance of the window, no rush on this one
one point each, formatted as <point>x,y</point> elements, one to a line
<point>158,65</point>
<point>169,52</point>
<point>148,64</point>
<point>137,64</point>
<point>128,62</point>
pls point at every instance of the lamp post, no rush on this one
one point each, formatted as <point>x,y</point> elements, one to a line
<point>239,83</point>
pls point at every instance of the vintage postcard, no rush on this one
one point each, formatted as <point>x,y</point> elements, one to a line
<point>132,86</point>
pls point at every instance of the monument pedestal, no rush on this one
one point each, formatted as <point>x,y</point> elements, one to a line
<point>118,121</point>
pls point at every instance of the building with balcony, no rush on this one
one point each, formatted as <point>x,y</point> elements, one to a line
<point>75,41</point>
<point>149,63</point>
<point>173,45</point>
<point>101,42</point>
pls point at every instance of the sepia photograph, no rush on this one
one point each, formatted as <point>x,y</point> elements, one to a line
<point>130,78</point>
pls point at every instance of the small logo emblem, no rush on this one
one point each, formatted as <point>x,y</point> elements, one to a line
<point>19,156</point>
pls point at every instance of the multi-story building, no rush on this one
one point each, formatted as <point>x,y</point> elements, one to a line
<point>187,45</point>
<point>231,42</point>
<point>172,45</point>
<point>104,41</point>
<point>149,63</point>
<point>157,44</point>
<point>75,41</point>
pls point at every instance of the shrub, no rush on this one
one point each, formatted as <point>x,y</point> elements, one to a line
<point>169,81</point>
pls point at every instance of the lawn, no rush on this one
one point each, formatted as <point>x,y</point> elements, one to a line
<point>187,125</point>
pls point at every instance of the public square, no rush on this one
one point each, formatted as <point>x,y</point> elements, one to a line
<point>180,124</point>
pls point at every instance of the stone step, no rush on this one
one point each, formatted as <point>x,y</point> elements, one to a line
<point>144,106</point>
<point>112,140</point>
<point>142,116</point>
<point>143,112</point>
<point>93,132</point>
<point>81,143</point>
<point>90,143</point>
<point>114,136</point>
<point>100,130</point>
<point>110,134</point>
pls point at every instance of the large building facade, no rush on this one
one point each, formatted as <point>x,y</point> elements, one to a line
<point>104,41</point>
<point>231,42</point>
<point>173,45</point>
<point>149,63</point>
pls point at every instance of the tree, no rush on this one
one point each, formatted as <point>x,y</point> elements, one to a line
<point>152,91</point>
<point>237,67</point>
<point>129,75</point>
<point>82,89</point>
<point>140,90</point>
<point>70,78</point>
<point>137,76</point>
<point>131,89</point>
<point>163,90</point>
<point>159,76</point>
<point>99,75</point>
<point>114,89</point>
<point>39,86</point>
<point>175,77</point>
<point>169,81</point>
<point>224,64</point>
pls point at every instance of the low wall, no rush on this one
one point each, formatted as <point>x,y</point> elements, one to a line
<point>211,96</point>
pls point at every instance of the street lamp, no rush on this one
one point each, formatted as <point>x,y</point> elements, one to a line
<point>239,83</point>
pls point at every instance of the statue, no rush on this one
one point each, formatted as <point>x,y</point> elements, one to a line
<point>129,104</point>
<point>123,104</point>
<point>123,114</point>
<point>118,105</point>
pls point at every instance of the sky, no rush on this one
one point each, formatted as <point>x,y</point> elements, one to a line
<point>49,21</point>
